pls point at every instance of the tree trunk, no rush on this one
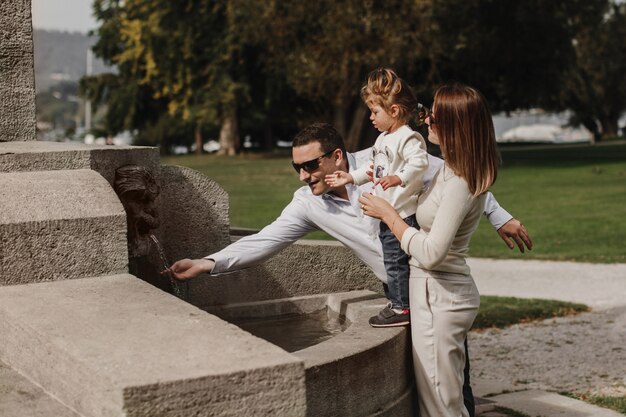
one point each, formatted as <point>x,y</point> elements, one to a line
<point>355,134</point>
<point>198,139</point>
<point>339,116</point>
<point>229,133</point>
<point>268,137</point>
<point>609,127</point>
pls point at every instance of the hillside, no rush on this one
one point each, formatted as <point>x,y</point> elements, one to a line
<point>61,56</point>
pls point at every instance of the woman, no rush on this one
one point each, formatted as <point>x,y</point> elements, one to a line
<point>443,297</point>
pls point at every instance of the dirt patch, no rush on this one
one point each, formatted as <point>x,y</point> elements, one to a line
<point>585,353</point>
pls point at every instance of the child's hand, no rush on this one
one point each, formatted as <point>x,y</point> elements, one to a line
<point>389,181</point>
<point>338,178</point>
<point>370,174</point>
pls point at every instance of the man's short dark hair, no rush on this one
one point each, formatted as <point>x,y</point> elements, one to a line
<point>324,133</point>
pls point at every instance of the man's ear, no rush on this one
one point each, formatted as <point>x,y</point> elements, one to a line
<point>339,156</point>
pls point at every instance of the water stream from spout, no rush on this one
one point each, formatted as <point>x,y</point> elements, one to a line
<point>179,288</point>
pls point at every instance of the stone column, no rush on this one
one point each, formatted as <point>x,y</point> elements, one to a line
<point>17,75</point>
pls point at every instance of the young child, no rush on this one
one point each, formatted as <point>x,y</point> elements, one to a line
<point>398,159</point>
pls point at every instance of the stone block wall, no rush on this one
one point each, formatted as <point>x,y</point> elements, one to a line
<point>17,75</point>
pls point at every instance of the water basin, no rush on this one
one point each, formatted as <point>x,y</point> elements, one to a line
<point>346,360</point>
<point>295,331</point>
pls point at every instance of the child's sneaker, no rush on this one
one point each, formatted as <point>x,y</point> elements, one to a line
<point>389,317</point>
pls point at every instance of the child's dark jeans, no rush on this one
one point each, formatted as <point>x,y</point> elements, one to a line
<point>396,265</point>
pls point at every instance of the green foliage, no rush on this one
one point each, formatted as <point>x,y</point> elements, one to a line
<point>515,52</point>
<point>274,66</point>
<point>596,88</point>
<point>325,48</point>
<point>505,311</point>
<point>183,58</point>
<point>131,105</point>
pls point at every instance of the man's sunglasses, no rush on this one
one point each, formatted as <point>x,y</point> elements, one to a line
<point>424,113</point>
<point>312,165</point>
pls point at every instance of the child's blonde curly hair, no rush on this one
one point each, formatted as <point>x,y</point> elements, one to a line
<point>385,88</point>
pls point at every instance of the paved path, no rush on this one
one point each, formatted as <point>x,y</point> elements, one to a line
<point>600,286</point>
<point>583,354</point>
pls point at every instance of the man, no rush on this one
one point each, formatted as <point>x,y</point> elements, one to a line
<point>318,150</point>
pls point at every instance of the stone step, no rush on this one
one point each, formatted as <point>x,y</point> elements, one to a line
<point>59,225</point>
<point>116,346</point>
<point>19,397</point>
<point>52,156</point>
<point>537,403</point>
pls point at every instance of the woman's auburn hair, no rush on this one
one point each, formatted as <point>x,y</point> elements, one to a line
<point>466,135</point>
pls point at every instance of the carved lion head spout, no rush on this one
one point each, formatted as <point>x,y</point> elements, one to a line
<point>138,191</point>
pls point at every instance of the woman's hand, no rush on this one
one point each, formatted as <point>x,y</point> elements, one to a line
<point>377,207</point>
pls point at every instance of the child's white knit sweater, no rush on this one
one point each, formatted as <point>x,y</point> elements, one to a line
<point>401,153</point>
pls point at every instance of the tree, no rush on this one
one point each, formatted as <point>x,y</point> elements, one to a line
<point>516,53</point>
<point>187,56</point>
<point>596,88</point>
<point>131,105</point>
<point>325,49</point>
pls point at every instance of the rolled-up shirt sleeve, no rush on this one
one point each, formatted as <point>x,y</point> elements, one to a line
<point>291,225</point>
<point>496,215</point>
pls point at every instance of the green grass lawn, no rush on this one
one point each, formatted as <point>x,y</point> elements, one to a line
<point>572,199</point>
<point>501,312</point>
<point>614,403</point>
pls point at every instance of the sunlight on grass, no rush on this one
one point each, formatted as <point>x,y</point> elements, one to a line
<point>505,311</point>
<point>612,402</point>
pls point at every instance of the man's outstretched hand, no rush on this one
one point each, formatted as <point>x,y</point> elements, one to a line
<point>514,233</point>
<point>190,268</point>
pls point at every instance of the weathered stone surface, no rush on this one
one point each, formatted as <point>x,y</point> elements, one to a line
<point>344,375</point>
<point>17,76</point>
<point>59,224</point>
<point>193,210</point>
<point>116,346</point>
<point>19,397</point>
<point>48,156</point>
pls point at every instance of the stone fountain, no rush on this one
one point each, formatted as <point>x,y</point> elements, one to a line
<point>83,335</point>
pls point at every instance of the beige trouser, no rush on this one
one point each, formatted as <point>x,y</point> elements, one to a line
<point>443,308</point>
